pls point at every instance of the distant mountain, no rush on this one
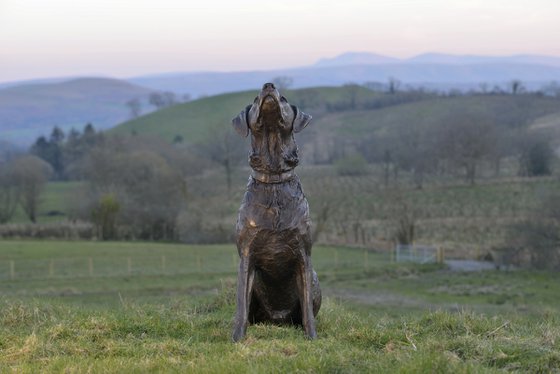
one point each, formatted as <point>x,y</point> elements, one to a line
<point>356,58</point>
<point>440,58</point>
<point>419,72</point>
<point>27,111</point>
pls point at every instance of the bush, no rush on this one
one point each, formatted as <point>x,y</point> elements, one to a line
<point>351,165</point>
<point>535,242</point>
<point>59,230</point>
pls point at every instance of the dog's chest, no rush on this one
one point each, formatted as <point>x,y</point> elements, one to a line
<point>274,206</point>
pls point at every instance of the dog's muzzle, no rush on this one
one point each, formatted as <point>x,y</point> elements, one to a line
<point>272,178</point>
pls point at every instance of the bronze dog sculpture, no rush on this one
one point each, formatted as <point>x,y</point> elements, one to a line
<point>276,282</point>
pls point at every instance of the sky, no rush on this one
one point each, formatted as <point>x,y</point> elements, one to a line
<point>125,38</point>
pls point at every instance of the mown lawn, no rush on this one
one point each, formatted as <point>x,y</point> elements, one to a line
<point>146,307</point>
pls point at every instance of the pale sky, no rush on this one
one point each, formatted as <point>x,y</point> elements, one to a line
<point>123,38</point>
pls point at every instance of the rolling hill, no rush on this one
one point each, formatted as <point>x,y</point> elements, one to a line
<point>198,120</point>
<point>27,111</point>
<point>334,119</point>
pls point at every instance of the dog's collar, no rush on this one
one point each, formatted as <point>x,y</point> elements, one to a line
<point>273,178</point>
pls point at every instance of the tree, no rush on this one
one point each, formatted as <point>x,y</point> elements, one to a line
<point>169,98</point>
<point>156,99</point>
<point>283,82</point>
<point>465,142</point>
<point>226,148</point>
<point>535,155</point>
<point>149,192</point>
<point>104,216</point>
<point>393,85</point>
<point>31,175</point>
<point>135,107</point>
<point>516,86</point>
<point>537,238</point>
<point>403,216</point>
<point>51,150</point>
<point>9,192</point>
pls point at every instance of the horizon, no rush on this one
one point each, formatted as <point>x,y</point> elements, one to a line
<point>63,38</point>
<point>163,73</point>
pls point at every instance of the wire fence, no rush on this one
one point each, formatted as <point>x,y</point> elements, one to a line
<point>112,266</point>
<point>419,253</point>
<point>202,262</point>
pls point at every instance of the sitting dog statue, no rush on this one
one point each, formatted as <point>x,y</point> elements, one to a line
<point>276,282</point>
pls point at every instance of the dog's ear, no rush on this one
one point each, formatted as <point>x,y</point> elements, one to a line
<point>240,124</point>
<point>300,120</point>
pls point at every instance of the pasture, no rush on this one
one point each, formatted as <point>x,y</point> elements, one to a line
<point>114,306</point>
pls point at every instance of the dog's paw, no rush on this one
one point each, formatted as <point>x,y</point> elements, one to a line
<point>238,334</point>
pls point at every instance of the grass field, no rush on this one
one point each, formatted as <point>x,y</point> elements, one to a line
<point>137,307</point>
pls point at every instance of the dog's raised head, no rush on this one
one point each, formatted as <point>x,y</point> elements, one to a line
<point>271,120</point>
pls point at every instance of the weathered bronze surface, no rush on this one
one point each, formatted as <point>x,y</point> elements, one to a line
<point>276,282</point>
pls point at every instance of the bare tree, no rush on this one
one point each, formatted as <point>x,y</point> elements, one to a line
<point>32,174</point>
<point>537,238</point>
<point>393,85</point>
<point>466,141</point>
<point>283,82</point>
<point>403,216</point>
<point>225,148</point>
<point>9,192</point>
<point>516,86</point>
<point>156,99</point>
<point>135,107</point>
<point>169,98</point>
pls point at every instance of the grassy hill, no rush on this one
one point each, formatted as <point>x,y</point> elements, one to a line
<point>334,116</point>
<point>28,111</point>
<point>198,120</point>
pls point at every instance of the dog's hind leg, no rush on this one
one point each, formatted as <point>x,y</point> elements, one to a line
<point>245,279</point>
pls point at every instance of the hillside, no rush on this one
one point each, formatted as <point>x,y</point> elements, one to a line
<point>198,120</point>
<point>28,111</point>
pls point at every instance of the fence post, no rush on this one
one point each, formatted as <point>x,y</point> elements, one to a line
<point>439,257</point>
<point>90,266</point>
<point>12,269</point>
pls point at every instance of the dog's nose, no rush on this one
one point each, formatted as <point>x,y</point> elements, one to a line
<point>268,86</point>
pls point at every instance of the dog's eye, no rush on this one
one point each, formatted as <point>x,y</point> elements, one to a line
<point>256,99</point>
<point>282,98</point>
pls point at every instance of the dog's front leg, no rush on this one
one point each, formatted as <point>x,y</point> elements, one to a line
<point>244,288</point>
<point>306,298</point>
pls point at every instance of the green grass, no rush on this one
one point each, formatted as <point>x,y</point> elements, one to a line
<point>176,338</point>
<point>377,316</point>
<point>58,199</point>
